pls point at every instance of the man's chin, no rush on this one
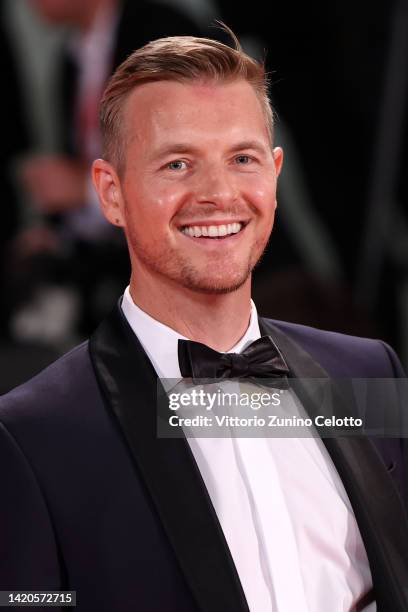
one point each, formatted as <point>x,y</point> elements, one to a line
<point>214,286</point>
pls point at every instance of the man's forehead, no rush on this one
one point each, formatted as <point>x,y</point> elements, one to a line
<point>197,103</point>
<point>163,93</point>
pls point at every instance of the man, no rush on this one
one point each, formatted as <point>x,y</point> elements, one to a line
<point>93,500</point>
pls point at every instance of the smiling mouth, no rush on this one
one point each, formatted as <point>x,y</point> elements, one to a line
<point>213,231</point>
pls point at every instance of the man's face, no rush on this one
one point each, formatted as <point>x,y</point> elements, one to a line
<point>199,187</point>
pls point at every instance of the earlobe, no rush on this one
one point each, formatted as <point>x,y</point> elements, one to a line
<point>107,185</point>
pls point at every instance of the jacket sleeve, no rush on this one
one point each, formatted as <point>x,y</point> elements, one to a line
<point>28,550</point>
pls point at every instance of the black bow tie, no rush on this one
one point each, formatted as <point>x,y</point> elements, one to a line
<point>261,359</point>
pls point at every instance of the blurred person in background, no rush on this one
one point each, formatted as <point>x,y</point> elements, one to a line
<point>17,360</point>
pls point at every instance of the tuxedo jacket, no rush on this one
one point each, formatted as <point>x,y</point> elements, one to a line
<point>93,501</point>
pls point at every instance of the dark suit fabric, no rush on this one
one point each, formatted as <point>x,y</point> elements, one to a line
<point>92,501</point>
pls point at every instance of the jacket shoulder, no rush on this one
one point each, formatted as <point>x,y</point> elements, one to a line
<point>58,387</point>
<point>344,355</point>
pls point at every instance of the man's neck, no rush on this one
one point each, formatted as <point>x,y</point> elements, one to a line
<point>217,320</point>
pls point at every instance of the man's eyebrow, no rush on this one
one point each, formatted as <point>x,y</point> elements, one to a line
<point>170,149</point>
<point>256,145</point>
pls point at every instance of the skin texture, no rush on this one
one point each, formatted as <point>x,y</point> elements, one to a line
<point>197,153</point>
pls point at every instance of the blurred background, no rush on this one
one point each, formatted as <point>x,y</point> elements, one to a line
<point>338,258</point>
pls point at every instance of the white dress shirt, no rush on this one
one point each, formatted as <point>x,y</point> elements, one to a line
<point>280,502</point>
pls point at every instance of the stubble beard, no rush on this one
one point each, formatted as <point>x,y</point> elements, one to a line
<point>193,279</point>
<point>215,279</point>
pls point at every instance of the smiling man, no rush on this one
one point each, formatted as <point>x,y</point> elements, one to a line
<point>194,175</point>
<point>196,196</point>
<point>93,500</point>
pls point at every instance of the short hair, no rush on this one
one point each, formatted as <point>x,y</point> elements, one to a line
<point>181,59</point>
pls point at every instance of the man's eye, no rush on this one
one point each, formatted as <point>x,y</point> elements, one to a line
<point>243,159</point>
<point>178,164</point>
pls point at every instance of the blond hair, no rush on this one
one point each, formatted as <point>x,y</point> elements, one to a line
<point>182,59</point>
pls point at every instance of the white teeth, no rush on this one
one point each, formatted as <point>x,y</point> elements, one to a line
<point>212,231</point>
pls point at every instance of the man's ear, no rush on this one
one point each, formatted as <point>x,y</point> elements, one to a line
<point>278,159</point>
<point>107,185</point>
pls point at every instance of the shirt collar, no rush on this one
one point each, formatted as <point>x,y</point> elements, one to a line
<point>160,341</point>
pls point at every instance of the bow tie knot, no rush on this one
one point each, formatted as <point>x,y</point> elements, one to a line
<point>261,359</point>
<point>238,364</point>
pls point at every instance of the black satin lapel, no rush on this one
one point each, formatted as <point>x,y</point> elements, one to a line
<point>167,467</point>
<point>377,506</point>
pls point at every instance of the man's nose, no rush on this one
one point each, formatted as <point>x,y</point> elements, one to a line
<point>216,186</point>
